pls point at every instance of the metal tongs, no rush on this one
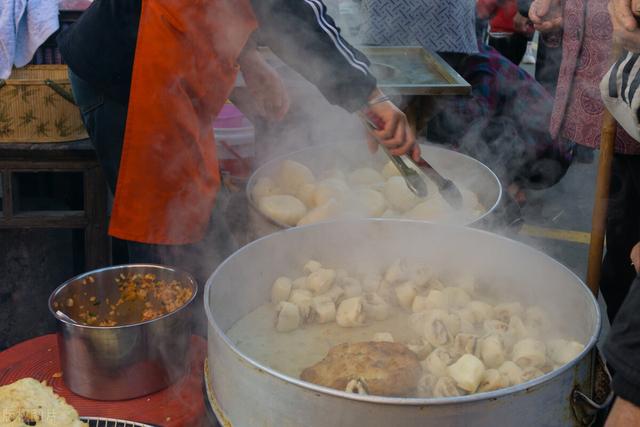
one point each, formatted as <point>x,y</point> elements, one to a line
<point>447,189</point>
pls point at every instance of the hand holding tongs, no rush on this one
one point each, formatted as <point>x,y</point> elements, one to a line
<point>414,180</point>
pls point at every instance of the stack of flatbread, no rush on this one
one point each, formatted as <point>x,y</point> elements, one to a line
<point>28,402</point>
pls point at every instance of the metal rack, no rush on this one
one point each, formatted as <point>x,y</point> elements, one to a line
<point>110,422</point>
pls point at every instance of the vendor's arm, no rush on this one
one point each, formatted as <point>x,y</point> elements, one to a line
<point>304,36</point>
<point>623,414</point>
<point>269,98</point>
<point>622,352</point>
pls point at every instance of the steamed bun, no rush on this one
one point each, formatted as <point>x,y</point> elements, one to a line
<point>390,170</point>
<point>265,186</point>
<point>434,208</point>
<point>398,195</point>
<point>321,213</point>
<point>305,194</point>
<point>331,188</point>
<point>282,208</point>
<point>368,202</point>
<point>293,175</point>
<point>365,177</point>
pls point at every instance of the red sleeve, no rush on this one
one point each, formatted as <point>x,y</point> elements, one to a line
<point>486,8</point>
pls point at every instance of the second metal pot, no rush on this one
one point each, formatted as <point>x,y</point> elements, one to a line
<point>128,361</point>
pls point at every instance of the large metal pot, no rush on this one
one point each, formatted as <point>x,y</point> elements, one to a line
<point>462,169</point>
<point>121,362</point>
<point>247,393</point>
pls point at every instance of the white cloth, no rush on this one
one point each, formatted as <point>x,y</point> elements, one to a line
<point>436,25</point>
<point>619,90</point>
<point>24,26</point>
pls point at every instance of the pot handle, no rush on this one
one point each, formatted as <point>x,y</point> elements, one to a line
<point>584,407</point>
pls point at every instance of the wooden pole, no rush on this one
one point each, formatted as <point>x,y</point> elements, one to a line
<point>599,218</point>
<point>600,203</point>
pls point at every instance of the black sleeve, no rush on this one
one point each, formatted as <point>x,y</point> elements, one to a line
<point>303,35</point>
<point>622,349</point>
<point>100,46</point>
<point>524,6</point>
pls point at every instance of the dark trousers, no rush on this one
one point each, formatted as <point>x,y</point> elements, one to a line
<point>512,47</point>
<point>548,61</point>
<point>623,231</point>
<point>105,120</point>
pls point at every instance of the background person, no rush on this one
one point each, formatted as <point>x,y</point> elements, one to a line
<point>622,351</point>
<point>505,120</point>
<point>584,28</point>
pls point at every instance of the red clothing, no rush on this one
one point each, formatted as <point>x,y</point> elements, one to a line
<point>486,8</point>
<point>502,22</point>
<point>502,13</point>
<point>184,69</point>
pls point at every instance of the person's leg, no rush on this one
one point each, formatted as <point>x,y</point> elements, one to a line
<point>105,120</point>
<point>623,232</point>
<point>512,47</point>
<point>548,61</point>
<point>501,44</point>
<point>518,47</point>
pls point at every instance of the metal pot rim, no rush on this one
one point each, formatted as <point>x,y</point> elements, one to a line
<point>118,267</point>
<point>406,401</point>
<point>253,178</point>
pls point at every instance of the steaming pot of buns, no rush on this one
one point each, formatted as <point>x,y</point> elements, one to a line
<point>384,322</point>
<point>339,181</point>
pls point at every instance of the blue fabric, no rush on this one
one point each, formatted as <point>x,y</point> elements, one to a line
<point>24,26</point>
<point>437,25</point>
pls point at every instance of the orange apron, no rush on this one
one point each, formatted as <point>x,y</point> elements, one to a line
<point>184,70</point>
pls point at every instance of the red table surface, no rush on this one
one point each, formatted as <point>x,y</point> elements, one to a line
<point>182,404</point>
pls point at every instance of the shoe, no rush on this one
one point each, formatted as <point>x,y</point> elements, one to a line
<point>529,57</point>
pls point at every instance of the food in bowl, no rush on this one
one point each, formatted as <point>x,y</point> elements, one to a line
<point>293,195</point>
<point>142,296</point>
<point>29,402</point>
<point>351,331</point>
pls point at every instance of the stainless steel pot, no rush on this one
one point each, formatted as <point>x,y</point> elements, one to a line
<point>248,393</point>
<point>463,170</point>
<point>121,362</point>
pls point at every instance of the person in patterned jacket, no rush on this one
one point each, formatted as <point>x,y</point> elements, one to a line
<point>585,30</point>
<point>504,122</point>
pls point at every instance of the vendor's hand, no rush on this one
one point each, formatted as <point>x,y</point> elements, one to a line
<point>635,257</point>
<point>623,414</point>
<point>523,25</point>
<point>626,31</point>
<point>265,85</point>
<point>394,131</point>
<point>546,15</point>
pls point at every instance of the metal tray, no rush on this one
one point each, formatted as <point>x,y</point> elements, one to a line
<point>111,422</point>
<point>413,70</point>
<point>401,70</point>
